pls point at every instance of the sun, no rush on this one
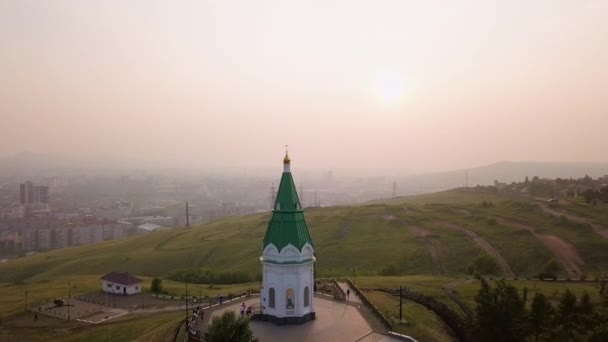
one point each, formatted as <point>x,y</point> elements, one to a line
<point>388,87</point>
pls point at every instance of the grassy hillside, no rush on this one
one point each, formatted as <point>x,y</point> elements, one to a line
<point>157,327</point>
<point>441,234</point>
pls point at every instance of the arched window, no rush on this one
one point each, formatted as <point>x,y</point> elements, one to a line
<point>306,296</point>
<point>271,297</point>
<point>290,299</point>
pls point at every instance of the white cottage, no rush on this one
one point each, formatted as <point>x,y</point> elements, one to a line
<point>121,283</point>
<point>287,259</point>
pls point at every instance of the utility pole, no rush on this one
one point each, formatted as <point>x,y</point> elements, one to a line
<point>394,189</point>
<point>400,303</point>
<point>272,195</point>
<point>69,296</point>
<point>186,304</point>
<point>314,270</point>
<point>187,216</point>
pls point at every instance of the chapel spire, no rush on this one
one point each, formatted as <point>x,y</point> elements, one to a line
<point>286,161</point>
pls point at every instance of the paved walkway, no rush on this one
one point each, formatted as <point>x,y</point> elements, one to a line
<point>336,321</point>
<point>353,298</point>
<point>376,337</point>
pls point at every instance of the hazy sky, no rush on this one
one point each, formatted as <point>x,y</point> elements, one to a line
<point>413,85</point>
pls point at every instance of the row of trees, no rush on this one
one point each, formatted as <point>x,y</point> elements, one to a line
<point>502,314</point>
<point>207,276</point>
<point>592,196</point>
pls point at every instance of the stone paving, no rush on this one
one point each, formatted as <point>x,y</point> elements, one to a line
<point>353,298</point>
<point>336,321</point>
<point>377,337</point>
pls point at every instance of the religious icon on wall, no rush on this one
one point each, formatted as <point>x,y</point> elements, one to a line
<point>290,295</point>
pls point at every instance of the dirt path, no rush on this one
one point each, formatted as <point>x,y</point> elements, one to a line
<point>600,230</point>
<point>485,246</point>
<point>564,252</point>
<point>423,235</point>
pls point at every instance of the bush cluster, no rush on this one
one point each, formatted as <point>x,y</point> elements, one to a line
<point>207,276</point>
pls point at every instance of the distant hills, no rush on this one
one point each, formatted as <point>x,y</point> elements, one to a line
<point>31,165</point>
<point>505,172</point>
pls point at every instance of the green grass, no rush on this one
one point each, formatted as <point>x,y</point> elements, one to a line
<point>422,324</point>
<point>155,327</point>
<point>12,296</point>
<point>202,290</point>
<point>366,238</point>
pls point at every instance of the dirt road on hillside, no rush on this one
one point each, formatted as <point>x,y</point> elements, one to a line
<point>600,230</point>
<point>564,252</point>
<point>424,235</point>
<point>485,246</point>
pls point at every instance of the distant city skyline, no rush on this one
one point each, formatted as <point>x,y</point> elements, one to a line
<point>385,85</point>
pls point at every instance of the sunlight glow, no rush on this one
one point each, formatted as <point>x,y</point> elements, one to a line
<point>388,87</point>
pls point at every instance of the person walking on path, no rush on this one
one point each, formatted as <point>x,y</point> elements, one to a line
<point>243,307</point>
<point>347,294</point>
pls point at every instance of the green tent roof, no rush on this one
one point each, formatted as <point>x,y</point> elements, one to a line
<point>287,225</point>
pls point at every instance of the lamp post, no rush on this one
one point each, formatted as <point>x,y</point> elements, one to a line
<point>400,303</point>
<point>186,304</point>
<point>69,296</point>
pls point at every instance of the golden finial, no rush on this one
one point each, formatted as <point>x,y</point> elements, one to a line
<point>286,160</point>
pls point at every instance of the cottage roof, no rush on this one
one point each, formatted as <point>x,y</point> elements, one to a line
<point>123,278</point>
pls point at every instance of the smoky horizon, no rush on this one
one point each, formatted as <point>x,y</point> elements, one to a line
<point>388,87</point>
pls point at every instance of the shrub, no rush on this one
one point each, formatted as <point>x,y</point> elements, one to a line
<point>551,267</point>
<point>207,276</point>
<point>389,270</point>
<point>484,264</point>
<point>157,285</point>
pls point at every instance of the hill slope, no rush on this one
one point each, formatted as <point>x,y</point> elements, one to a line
<point>442,233</point>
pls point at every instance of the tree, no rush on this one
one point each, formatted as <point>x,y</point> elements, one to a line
<point>600,330</point>
<point>541,316</point>
<point>566,316</point>
<point>527,180</point>
<point>589,195</point>
<point>484,264</point>
<point>228,327</point>
<point>603,195</point>
<point>500,313</point>
<point>587,180</point>
<point>157,285</point>
<point>550,269</point>
<point>585,314</point>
